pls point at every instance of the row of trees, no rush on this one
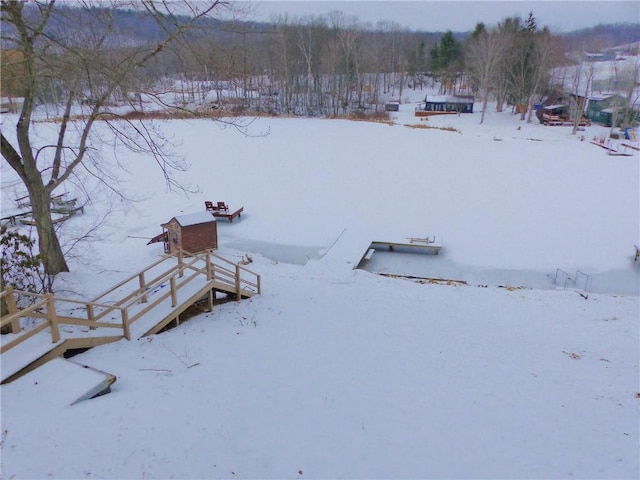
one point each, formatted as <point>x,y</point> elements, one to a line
<point>333,65</point>
<point>512,62</point>
<point>325,65</point>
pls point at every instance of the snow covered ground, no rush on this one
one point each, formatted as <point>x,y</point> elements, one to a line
<point>340,373</point>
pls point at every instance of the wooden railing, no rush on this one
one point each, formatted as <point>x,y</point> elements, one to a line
<point>218,271</point>
<point>243,279</point>
<point>46,307</point>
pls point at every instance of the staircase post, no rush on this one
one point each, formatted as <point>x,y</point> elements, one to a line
<point>174,295</point>
<point>209,276</point>
<point>180,261</point>
<point>52,318</point>
<point>143,287</point>
<point>238,291</point>
<point>90,315</point>
<point>12,307</point>
<point>125,323</point>
<point>211,297</point>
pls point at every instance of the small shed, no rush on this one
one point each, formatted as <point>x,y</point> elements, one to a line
<point>449,103</point>
<point>604,109</point>
<point>392,107</point>
<point>192,233</point>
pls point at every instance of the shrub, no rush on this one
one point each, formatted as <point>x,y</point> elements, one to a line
<point>21,267</point>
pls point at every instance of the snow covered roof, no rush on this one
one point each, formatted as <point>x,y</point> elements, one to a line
<point>195,218</point>
<point>604,96</point>
<point>613,110</point>
<point>447,99</point>
<point>553,107</point>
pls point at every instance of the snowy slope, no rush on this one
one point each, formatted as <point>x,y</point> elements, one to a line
<point>339,373</point>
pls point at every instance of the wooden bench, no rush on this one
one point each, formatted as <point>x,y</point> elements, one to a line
<point>218,207</point>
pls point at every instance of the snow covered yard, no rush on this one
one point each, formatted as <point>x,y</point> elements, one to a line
<point>340,373</point>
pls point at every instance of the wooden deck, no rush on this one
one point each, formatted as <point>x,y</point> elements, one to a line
<point>426,245</point>
<point>142,304</point>
<point>63,210</point>
<point>562,121</point>
<point>431,113</point>
<point>230,214</point>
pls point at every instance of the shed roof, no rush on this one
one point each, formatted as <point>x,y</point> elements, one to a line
<point>604,96</point>
<point>553,107</point>
<point>194,218</point>
<point>448,99</point>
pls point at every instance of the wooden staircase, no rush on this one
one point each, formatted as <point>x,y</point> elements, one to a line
<point>142,304</point>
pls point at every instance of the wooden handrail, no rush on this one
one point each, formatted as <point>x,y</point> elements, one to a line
<point>234,278</point>
<point>46,309</point>
<point>128,279</point>
<point>25,336</point>
<point>7,319</point>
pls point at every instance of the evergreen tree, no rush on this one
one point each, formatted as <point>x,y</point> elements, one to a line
<point>530,23</point>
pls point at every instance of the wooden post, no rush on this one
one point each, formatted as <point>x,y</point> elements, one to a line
<point>143,286</point>
<point>125,323</point>
<point>180,261</point>
<point>174,294</point>
<point>12,307</point>
<point>211,298</point>
<point>52,318</point>
<point>90,315</point>
<point>208,266</point>
<point>259,286</point>
<point>238,291</point>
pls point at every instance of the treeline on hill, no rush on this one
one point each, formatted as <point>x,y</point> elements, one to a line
<point>318,66</point>
<point>601,38</point>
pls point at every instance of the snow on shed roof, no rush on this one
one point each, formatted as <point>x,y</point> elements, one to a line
<point>604,96</point>
<point>448,99</point>
<point>195,218</point>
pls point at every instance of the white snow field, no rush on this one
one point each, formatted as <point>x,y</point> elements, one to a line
<point>336,372</point>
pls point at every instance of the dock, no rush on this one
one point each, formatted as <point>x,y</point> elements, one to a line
<point>222,210</point>
<point>426,245</point>
<point>228,214</point>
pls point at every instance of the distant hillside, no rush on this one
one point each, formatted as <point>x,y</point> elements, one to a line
<point>602,37</point>
<point>140,28</point>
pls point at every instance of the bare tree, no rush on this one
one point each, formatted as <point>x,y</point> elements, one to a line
<point>485,51</point>
<point>583,81</point>
<point>628,79</point>
<point>87,69</point>
<point>545,55</point>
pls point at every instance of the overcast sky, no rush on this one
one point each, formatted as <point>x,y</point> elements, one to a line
<point>458,15</point>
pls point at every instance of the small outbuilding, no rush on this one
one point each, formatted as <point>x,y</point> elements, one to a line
<point>392,107</point>
<point>192,233</point>
<point>611,108</point>
<point>449,103</point>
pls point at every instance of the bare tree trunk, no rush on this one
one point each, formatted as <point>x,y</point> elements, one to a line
<point>484,109</point>
<point>48,243</point>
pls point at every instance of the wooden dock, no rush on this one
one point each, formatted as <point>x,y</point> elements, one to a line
<point>431,113</point>
<point>222,210</point>
<point>142,304</point>
<point>425,245</point>
<point>228,214</point>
